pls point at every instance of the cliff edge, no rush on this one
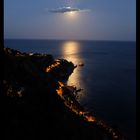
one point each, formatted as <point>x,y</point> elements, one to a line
<point>35,104</point>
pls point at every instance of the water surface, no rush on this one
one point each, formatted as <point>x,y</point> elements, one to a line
<point>108,76</point>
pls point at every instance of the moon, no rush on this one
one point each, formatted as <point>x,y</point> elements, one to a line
<point>71,14</point>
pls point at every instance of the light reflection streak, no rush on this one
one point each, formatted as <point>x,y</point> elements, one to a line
<point>71,52</point>
<point>70,47</point>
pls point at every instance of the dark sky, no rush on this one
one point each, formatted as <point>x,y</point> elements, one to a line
<point>70,19</point>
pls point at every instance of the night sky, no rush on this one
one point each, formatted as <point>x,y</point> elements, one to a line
<point>70,19</point>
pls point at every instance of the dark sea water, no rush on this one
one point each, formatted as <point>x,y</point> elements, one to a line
<point>108,77</point>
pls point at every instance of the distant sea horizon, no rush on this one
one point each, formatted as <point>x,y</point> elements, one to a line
<point>108,77</point>
<point>70,39</point>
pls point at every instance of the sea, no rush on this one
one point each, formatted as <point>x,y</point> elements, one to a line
<point>108,76</point>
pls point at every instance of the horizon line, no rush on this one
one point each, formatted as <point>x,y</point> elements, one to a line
<point>69,39</point>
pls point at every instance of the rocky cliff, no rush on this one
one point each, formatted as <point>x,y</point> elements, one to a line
<point>33,103</point>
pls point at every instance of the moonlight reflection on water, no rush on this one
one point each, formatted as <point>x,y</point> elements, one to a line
<point>70,51</point>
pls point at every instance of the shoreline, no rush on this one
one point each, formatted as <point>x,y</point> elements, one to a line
<point>33,81</point>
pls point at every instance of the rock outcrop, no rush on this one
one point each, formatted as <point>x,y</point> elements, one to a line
<point>32,107</point>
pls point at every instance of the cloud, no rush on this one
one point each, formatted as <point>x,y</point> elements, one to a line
<point>67,9</point>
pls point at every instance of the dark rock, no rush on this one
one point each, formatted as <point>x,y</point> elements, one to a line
<point>33,109</point>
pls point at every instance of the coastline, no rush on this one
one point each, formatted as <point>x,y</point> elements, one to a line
<point>32,85</point>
